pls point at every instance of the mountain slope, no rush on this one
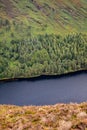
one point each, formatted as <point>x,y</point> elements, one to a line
<point>42,37</point>
<point>50,16</point>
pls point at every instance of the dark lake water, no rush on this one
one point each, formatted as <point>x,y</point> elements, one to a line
<point>66,89</point>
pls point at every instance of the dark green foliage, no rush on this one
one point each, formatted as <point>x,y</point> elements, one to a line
<point>44,54</point>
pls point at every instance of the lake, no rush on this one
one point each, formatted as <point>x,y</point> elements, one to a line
<point>45,91</point>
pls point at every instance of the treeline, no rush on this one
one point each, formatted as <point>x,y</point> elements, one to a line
<point>44,54</point>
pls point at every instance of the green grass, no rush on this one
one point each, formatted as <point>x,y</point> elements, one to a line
<point>44,17</point>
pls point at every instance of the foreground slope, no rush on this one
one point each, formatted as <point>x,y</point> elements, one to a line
<point>56,117</point>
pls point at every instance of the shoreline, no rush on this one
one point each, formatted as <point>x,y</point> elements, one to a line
<point>45,76</point>
<point>50,105</point>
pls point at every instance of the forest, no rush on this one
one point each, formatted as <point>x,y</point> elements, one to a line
<point>40,37</point>
<point>43,54</point>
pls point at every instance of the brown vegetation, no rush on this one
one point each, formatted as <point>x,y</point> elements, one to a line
<point>54,117</point>
<point>9,8</point>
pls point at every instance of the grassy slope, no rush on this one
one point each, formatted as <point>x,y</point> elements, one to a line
<point>33,17</point>
<point>58,16</point>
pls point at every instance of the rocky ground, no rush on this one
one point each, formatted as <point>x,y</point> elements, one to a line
<point>54,117</point>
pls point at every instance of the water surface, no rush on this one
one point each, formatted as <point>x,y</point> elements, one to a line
<point>45,92</point>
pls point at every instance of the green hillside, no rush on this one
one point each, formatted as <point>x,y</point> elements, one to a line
<point>50,27</point>
<point>38,16</point>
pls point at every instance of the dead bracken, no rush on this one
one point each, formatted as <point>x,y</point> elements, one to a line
<point>53,117</point>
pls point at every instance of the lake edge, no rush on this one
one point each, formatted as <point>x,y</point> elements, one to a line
<point>45,76</point>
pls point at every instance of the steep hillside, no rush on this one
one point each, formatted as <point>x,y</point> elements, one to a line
<point>36,34</point>
<point>39,16</point>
